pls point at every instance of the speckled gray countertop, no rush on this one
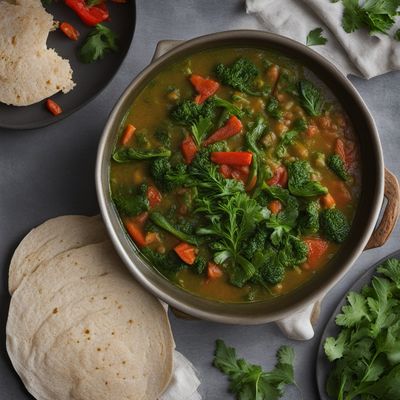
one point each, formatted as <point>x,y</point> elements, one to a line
<point>50,172</point>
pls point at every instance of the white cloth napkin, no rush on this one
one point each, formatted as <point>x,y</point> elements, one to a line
<point>184,382</point>
<point>355,53</point>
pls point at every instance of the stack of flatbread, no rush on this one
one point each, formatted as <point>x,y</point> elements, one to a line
<point>79,326</point>
<point>29,71</point>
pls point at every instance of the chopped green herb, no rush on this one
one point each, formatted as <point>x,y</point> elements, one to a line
<point>315,38</point>
<point>99,41</point>
<point>249,381</point>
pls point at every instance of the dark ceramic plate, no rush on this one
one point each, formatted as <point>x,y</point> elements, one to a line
<point>323,366</point>
<point>90,79</point>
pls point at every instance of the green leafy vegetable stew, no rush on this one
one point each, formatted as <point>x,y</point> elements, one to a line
<point>236,176</point>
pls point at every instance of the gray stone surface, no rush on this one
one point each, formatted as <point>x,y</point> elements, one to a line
<point>49,172</point>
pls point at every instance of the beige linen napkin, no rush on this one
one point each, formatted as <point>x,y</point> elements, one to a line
<point>355,53</point>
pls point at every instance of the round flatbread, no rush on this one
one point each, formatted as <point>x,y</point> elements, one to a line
<point>50,239</point>
<point>29,71</point>
<point>81,328</point>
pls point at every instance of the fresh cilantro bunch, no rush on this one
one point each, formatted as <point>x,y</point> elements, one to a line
<point>249,381</point>
<point>375,15</point>
<point>366,353</point>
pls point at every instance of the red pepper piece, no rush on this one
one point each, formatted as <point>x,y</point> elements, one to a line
<point>90,16</point>
<point>205,87</point>
<point>231,128</point>
<point>69,31</point>
<point>280,177</point>
<point>154,196</point>
<point>53,107</point>
<point>232,157</point>
<point>189,149</point>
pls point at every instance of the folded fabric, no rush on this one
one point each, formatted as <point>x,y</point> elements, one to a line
<point>184,382</point>
<point>355,53</point>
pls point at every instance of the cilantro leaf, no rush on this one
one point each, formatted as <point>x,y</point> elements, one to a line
<point>99,41</point>
<point>249,381</point>
<point>200,129</point>
<point>354,312</point>
<point>366,353</point>
<point>375,15</point>
<point>315,38</point>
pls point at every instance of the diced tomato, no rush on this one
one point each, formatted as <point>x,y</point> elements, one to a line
<point>189,149</point>
<point>275,206</point>
<point>186,252</point>
<point>53,107</point>
<point>128,134</point>
<point>232,157</point>
<point>205,87</point>
<point>69,31</point>
<point>135,231</point>
<point>232,127</point>
<point>316,249</point>
<point>327,201</point>
<point>213,271</point>
<point>154,196</point>
<point>280,177</point>
<point>225,171</point>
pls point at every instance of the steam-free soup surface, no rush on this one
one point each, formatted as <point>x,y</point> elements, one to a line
<point>235,176</point>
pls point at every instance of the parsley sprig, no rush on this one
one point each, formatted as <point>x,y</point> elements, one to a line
<point>366,353</point>
<point>249,381</point>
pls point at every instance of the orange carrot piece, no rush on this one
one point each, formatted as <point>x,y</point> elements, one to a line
<point>316,249</point>
<point>205,87</point>
<point>232,157</point>
<point>154,196</point>
<point>53,107</point>
<point>232,127</point>
<point>280,177</point>
<point>272,75</point>
<point>225,171</point>
<point>312,130</point>
<point>126,137</point>
<point>327,201</point>
<point>213,271</point>
<point>186,252</point>
<point>275,206</point>
<point>189,149</point>
<point>135,231</point>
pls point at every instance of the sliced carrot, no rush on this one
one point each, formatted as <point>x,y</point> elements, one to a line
<point>312,130</point>
<point>135,231</point>
<point>186,252</point>
<point>316,249</point>
<point>205,87</point>
<point>154,196</point>
<point>69,31</point>
<point>53,107</point>
<point>340,149</point>
<point>327,201</point>
<point>213,271</point>
<point>232,127</point>
<point>232,157</point>
<point>128,133</point>
<point>275,206</point>
<point>272,75</point>
<point>189,149</point>
<point>280,177</point>
<point>251,182</point>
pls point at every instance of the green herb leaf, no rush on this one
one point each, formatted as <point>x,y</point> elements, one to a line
<point>311,98</point>
<point>249,381</point>
<point>99,41</point>
<point>315,38</point>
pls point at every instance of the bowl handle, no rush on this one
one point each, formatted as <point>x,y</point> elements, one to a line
<point>299,326</point>
<point>390,215</point>
<point>164,46</point>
